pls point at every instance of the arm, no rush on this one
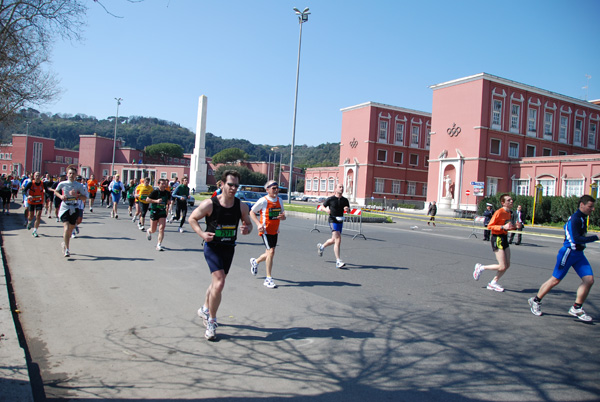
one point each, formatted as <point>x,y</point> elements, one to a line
<point>246,227</point>
<point>577,234</point>
<point>203,210</point>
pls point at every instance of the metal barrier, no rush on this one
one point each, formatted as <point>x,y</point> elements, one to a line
<point>478,226</point>
<point>352,221</point>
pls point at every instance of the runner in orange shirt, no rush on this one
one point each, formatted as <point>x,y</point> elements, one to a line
<point>499,225</point>
<point>92,185</point>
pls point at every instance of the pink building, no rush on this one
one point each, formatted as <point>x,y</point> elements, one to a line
<point>492,135</point>
<point>383,156</point>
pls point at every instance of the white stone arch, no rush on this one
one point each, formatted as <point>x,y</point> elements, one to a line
<point>350,180</point>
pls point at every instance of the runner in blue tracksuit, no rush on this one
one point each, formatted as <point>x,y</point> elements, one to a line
<point>571,255</point>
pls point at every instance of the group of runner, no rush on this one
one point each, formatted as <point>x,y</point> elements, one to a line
<point>223,213</point>
<point>570,255</point>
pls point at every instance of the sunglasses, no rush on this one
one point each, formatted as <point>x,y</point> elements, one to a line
<point>234,185</point>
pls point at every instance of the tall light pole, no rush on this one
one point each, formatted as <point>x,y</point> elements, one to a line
<point>302,18</point>
<point>112,166</point>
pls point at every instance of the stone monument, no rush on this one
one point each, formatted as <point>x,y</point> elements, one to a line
<point>198,162</point>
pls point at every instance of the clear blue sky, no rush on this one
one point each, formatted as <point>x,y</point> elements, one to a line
<point>163,54</point>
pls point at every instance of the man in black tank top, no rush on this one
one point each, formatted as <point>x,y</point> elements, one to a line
<point>222,214</point>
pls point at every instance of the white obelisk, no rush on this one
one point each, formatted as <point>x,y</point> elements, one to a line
<point>198,162</point>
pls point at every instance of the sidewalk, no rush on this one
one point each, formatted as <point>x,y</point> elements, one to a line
<point>14,376</point>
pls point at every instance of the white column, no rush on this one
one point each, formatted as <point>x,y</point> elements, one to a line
<point>198,161</point>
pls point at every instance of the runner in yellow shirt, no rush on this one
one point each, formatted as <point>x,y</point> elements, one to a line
<point>142,191</point>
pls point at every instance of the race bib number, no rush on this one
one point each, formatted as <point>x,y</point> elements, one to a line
<point>274,213</point>
<point>339,218</point>
<point>225,232</point>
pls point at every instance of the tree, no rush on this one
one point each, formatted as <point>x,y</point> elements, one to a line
<point>27,30</point>
<point>246,175</point>
<point>164,150</point>
<point>230,155</point>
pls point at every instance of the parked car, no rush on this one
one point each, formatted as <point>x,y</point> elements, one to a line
<point>249,197</point>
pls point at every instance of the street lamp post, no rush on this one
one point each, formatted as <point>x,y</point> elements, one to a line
<point>302,18</point>
<point>112,166</point>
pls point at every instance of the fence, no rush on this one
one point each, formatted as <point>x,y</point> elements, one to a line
<point>352,221</point>
<point>478,226</point>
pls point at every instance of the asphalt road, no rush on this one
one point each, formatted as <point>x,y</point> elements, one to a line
<point>404,322</point>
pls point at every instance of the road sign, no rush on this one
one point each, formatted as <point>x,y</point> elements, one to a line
<point>477,183</point>
<point>468,192</point>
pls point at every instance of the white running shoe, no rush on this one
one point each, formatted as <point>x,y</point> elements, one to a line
<point>133,219</point>
<point>180,230</point>
<point>159,248</point>
<point>211,331</point>
<point>340,264</point>
<point>477,271</point>
<point>149,236</point>
<point>579,313</point>
<point>269,283</point>
<point>204,315</point>
<point>320,249</point>
<point>535,306</point>
<point>495,287</point>
<point>253,266</point>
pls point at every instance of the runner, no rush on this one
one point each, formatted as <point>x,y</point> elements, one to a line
<point>48,182</point>
<point>26,180</point>
<point>181,194</point>
<point>270,209</point>
<point>499,225</point>
<point>16,185</point>
<point>115,187</point>
<point>80,208</point>
<point>92,185</point>
<point>57,200</point>
<point>105,191</point>
<point>35,200</point>
<point>159,200</point>
<point>69,192</point>
<point>130,188</point>
<point>335,206</point>
<point>141,194</point>
<point>571,255</point>
<point>6,193</point>
<point>222,214</point>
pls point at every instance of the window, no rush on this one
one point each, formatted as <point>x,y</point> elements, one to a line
<point>515,110</point>
<point>104,172</point>
<point>497,114</point>
<point>546,152</point>
<point>428,140</point>
<point>163,175</point>
<point>495,146</point>
<point>547,187</point>
<point>562,132</point>
<point>323,184</point>
<point>76,160</point>
<point>414,137</point>
<point>573,187</point>
<point>530,151</point>
<point>173,175</point>
<point>399,138</point>
<point>521,187</point>
<point>425,190</point>
<point>308,185</point>
<point>381,155</point>
<point>592,135</point>
<point>68,159</point>
<point>176,160</point>
<point>315,184</point>
<point>411,188</point>
<point>383,130</point>
<point>492,186</point>
<point>577,132</point>
<point>513,149</point>
<point>532,121</point>
<point>548,124</point>
<point>562,153</point>
<point>59,159</point>
<point>331,184</point>
<point>379,185</point>
<point>1,156</point>
<point>396,186</point>
<point>3,167</point>
<point>398,157</point>
<point>413,160</point>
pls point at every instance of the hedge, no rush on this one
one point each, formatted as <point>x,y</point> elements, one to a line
<point>552,209</point>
